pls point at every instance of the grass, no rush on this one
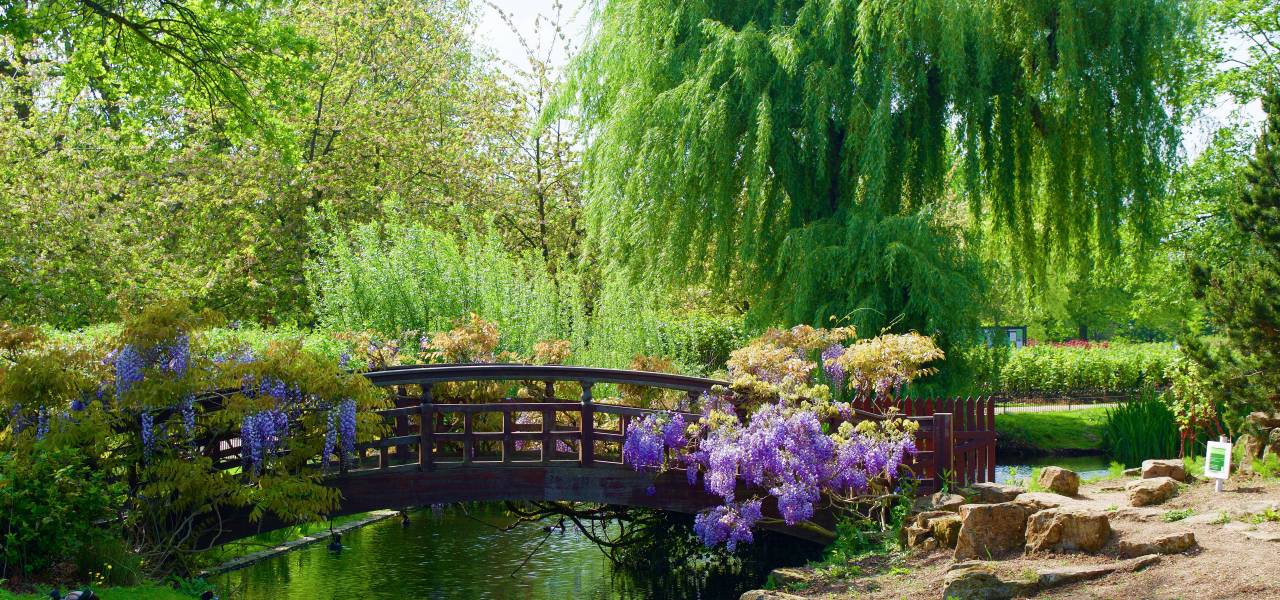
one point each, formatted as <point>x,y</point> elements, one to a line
<point>140,592</point>
<point>1053,432</point>
<point>1174,516</point>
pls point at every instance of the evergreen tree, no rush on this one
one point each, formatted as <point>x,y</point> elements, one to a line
<point>1243,295</point>
<point>807,151</point>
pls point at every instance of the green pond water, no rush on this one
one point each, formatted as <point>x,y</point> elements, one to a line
<point>453,553</point>
<point>1086,466</point>
<point>447,554</point>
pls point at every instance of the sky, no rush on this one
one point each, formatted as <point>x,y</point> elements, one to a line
<point>493,32</point>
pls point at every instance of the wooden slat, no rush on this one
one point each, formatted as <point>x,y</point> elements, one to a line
<point>468,439</point>
<point>548,444</point>
<point>508,442</point>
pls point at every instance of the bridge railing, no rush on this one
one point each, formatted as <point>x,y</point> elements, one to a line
<point>426,434</point>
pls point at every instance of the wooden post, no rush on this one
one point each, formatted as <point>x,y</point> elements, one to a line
<point>468,440</point>
<point>548,445</point>
<point>426,428</point>
<point>991,448</point>
<point>508,443</point>
<point>587,428</point>
<point>943,441</point>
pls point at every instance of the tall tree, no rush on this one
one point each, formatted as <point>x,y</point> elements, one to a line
<point>808,148</point>
<point>1242,295</point>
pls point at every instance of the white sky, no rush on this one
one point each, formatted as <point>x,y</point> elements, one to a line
<point>493,32</point>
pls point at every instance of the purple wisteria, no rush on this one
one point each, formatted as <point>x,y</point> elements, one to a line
<point>729,524</point>
<point>330,438</point>
<point>262,435</point>
<point>347,428</point>
<point>835,372</point>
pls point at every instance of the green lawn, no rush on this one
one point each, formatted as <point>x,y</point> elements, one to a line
<point>141,592</point>
<point>1079,430</point>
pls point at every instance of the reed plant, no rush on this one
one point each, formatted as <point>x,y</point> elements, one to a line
<point>1140,429</point>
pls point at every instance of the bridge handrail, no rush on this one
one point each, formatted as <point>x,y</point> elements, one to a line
<point>443,373</point>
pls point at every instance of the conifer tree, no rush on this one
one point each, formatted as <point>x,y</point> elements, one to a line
<point>1243,295</point>
<point>804,151</point>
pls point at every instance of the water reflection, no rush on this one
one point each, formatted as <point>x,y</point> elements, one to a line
<point>450,554</point>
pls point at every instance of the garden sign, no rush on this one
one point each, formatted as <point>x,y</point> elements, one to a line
<point>1217,462</point>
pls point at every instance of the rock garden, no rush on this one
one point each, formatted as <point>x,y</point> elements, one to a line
<point>1158,531</point>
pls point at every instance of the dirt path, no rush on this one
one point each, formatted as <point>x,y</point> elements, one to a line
<point>1238,554</point>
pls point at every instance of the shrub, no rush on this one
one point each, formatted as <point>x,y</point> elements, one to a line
<point>1059,369</point>
<point>54,508</point>
<point>1141,429</point>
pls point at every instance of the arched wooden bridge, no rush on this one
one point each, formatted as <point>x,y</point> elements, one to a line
<point>545,448</point>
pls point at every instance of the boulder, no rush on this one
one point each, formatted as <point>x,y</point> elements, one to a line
<point>1173,468</point>
<point>946,530</point>
<point>1263,536</point>
<point>916,535</point>
<point>991,493</point>
<point>1263,421</point>
<point>1056,576</point>
<point>1134,472</point>
<point>1042,500</point>
<point>1250,449</point>
<point>980,582</point>
<point>1273,442</point>
<point>1145,492</point>
<point>922,519</point>
<point>1060,481</point>
<point>988,530</point>
<point>1067,530</point>
<point>1172,543</point>
<point>768,595</point>
<point>788,576</point>
<point>939,501</point>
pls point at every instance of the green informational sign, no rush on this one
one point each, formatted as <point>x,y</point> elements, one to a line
<point>1217,460</point>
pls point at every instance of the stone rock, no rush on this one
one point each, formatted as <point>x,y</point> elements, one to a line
<point>1250,449</point>
<point>1145,492</point>
<point>1263,421</point>
<point>980,582</point>
<point>1067,530</point>
<point>928,545</point>
<point>1263,536</point>
<point>1134,472</point>
<point>1172,543</point>
<point>988,530</point>
<point>946,530</point>
<point>916,535</point>
<point>791,576</point>
<point>939,501</point>
<point>1043,500</point>
<point>1056,576</point>
<point>1273,442</point>
<point>1060,481</point>
<point>1173,468</point>
<point>1143,514</point>
<point>991,493</point>
<point>768,595</point>
<point>922,519</point>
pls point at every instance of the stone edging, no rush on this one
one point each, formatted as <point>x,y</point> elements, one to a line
<point>306,540</point>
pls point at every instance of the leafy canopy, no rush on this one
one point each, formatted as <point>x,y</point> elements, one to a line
<point>804,148</point>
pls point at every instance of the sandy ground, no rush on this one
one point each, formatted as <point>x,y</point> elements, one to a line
<point>1229,563</point>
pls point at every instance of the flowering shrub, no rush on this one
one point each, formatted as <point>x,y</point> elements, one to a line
<point>136,411</point>
<point>768,433</point>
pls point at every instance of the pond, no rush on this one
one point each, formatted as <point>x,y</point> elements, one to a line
<point>452,554</point>
<point>1086,466</point>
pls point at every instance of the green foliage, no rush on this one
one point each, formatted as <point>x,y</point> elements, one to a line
<point>1173,516</point>
<point>1052,431</point>
<point>1055,369</point>
<point>1243,296</point>
<point>1141,429</point>
<point>55,507</point>
<point>174,491</point>
<point>816,140</point>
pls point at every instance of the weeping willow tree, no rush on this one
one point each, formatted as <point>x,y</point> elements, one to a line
<point>813,152</point>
